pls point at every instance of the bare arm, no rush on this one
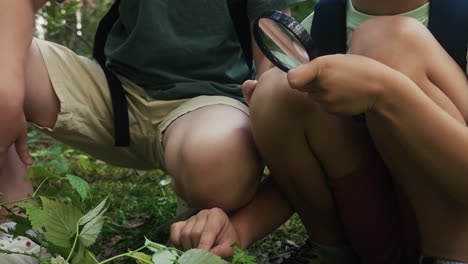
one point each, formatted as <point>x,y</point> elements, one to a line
<point>17,27</point>
<point>435,139</point>
<point>267,211</point>
<point>213,230</point>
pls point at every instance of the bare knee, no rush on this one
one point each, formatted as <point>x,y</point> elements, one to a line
<point>388,37</point>
<point>218,170</point>
<point>274,105</point>
<point>406,45</point>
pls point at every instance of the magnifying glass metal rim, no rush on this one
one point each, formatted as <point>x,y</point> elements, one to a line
<point>294,28</point>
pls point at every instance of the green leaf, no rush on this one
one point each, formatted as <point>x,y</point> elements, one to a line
<point>91,231</point>
<point>84,162</point>
<point>60,221</point>
<point>96,211</point>
<point>79,255</point>
<point>143,256</point>
<point>162,254</point>
<point>22,224</point>
<point>200,256</point>
<point>35,215</point>
<point>80,185</point>
<point>89,258</point>
<point>240,257</point>
<point>40,173</point>
<point>58,260</point>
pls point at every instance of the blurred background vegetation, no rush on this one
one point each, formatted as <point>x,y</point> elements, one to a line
<point>141,201</point>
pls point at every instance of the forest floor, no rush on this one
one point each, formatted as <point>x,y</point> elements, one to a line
<point>141,203</point>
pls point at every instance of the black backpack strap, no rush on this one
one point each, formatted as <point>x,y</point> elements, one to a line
<point>448,22</point>
<point>119,101</point>
<point>329,27</point>
<point>238,12</point>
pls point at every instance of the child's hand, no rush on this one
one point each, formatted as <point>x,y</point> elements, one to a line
<point>342,84</point>
<point>209,229</point>
<point>13,126</point>
<point>248,88</point>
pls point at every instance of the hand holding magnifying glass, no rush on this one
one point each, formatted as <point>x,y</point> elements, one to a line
<point>287,44</point>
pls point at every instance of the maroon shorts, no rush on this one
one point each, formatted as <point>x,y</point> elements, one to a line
<point>377,217</point>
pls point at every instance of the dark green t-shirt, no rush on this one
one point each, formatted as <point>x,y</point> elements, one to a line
<point>178,49</point>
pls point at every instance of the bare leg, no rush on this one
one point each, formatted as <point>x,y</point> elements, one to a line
<point>411,49</point>
<point>212,157</point>
<point>305,148</point>
<point>13,177</point>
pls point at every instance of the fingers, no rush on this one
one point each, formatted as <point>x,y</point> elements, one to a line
<point>186,233</point>
<point>176,229</point>
<point>199,231</point>
<point>22,149</point>
<point>302,76</point>
<point>248,88</point>
<point>224,250</point>
<point>214,225</point>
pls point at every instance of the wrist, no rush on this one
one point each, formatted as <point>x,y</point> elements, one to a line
<point>12,91</point>
<point>242,233</point>
<point>390,92</point>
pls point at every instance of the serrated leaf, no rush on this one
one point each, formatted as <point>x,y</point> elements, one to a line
<point>96,211</point>
<point>80,185</point>
<point>22,224</point>
<point>162,254</point>
<point>200,256</point>
<point>91,231</point>
<point>60,221</point>
<point>40,173</point>
<point>164,257</point>
<point>35,215</point>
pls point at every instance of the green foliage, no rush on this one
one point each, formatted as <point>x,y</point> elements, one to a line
<point>68,231</point>
<point>73,23</point>
<point>241,257</point>
<point>35,215</point>
<point>302,10</point>
<point>80,185</point>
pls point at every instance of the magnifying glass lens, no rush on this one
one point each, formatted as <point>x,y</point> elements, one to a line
<point>283,40</point>
<point>286,47</point>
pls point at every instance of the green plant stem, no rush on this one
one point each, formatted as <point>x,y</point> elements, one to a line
<point>140,259</point>
<point>19,253</point>
<point>76,240</point>
<point>39,187</point>
<point>129,254</point>
<point>16,201</point>
<point>27,198</point>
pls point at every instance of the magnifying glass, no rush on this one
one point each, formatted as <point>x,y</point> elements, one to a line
<point>283,40</point>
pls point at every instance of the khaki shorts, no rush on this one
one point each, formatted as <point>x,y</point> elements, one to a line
<point>86,122</point>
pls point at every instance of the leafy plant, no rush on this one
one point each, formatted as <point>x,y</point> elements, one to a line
<point>67,226</point>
